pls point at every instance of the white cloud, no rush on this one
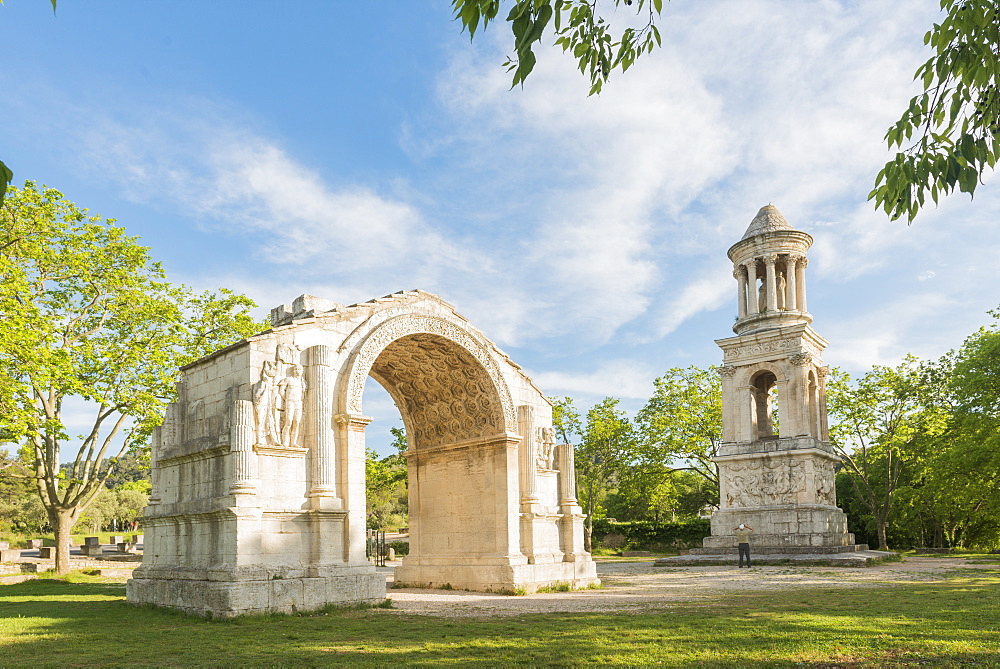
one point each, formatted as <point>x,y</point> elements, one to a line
<point>545,215</point>
<point>631,379</point>
<point>705,294</point>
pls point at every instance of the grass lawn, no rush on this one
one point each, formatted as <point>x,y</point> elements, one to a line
<point>953,621</point>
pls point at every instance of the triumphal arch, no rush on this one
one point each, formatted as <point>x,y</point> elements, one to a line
<point>258,469</point>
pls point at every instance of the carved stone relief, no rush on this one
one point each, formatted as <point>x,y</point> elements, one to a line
<point>545,453</point>
<point>825,477</point>
<point>447,394</point>
<point>491,381</point>
<point>763,482</point>
<point>759,348</point>
<point>277,399</point>
<point>800,359</point>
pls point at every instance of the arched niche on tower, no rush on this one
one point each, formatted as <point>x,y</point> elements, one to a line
<point>763,389</point>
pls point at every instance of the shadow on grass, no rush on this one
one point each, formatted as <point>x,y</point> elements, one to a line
<point>49,623</point>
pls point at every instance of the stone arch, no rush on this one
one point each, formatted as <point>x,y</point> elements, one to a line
<point>431,343</point>
<point>248,518</point>
<point>765,385</point>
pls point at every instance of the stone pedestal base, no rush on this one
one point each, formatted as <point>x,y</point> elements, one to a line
<point>226,599</point>
<point>783,529</point>
<point>464,575</point>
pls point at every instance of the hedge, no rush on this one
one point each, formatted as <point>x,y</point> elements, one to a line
<point>684,534</point>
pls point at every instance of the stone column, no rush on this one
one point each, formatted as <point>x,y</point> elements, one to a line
<point>730,418</point>
<point>772,282</point>
<point>792,296</point>
<point>243,436</point>
<point>751,266</point>
<point>824,426</point>
<point>801,285</point>
<point>352,436</point>
<point>320,378</point>
<point>741,295</point>
<point>571,524</point>
<point>526,461</point>
<point>567,474</point>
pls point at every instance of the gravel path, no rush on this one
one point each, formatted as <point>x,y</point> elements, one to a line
<point>639,586</point>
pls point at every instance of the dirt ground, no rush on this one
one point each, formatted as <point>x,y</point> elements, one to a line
<point>639,586</point>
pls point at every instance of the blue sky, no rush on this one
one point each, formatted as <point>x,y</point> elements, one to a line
<point>349,150</point>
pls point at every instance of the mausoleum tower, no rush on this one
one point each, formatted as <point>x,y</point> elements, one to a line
<point>776,464</point>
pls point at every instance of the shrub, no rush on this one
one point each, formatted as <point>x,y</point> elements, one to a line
<point>651,535</point>
<point>400,547</point>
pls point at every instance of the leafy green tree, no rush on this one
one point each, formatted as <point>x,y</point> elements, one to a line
<point>89,315</point>
<point>565,420</point>
<point>681,424</point>
<point>965,476</point>
<point>578,27</point>
<point>132,466</point>
<point>947,137</point>
<point>607,441</point>
<point>16,495</point>
<point>876,426</point>
<point>386,483</point>
<point>6,177</point>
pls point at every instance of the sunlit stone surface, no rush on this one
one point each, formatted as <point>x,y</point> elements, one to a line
<point>259,467</point>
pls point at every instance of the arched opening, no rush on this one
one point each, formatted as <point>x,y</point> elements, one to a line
<point>764,405</point>
<point>386,495</point>
<point>451,412</point>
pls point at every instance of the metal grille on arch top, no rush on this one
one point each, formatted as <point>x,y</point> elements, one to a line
<point>258,470</point>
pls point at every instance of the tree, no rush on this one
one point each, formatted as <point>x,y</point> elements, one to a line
<point>681,424</point>
<point>966,471</point>
<point>89,315</point>
<point>6,177</point>
<point>386,483</point>
<point>578,27</point>
<point>604,451</point>
<point>876,425</point>
<point>949,131</point>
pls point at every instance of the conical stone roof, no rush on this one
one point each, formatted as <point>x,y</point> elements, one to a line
<point>768,219</point>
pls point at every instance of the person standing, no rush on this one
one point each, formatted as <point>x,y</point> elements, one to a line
<point>743,541</point>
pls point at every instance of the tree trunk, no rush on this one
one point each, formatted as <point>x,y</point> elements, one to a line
<point>62,523</point>
<point>588,526</point>
<point>880,523</point>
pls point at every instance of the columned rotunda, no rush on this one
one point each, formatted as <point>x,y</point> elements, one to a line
<point>776,463</point>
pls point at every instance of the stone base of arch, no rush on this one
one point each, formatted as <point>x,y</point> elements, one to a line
<point>248,596</point>
<point>496,577</point>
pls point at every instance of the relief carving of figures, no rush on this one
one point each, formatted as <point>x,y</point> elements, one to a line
<point>291,391</point>
<point>825,491</point>
<point>278,399</point>
<point>544,456</point>
<point>763,483</point>
<point>263,400</point>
